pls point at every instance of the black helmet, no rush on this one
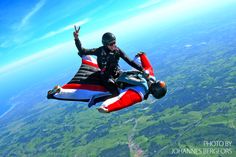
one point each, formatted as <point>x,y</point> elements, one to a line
<point>158,89</point>
<point>108,38</point>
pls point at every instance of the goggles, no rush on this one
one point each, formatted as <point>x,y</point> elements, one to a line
<point>112,43</point>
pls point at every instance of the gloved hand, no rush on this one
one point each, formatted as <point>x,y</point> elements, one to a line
<point>76,33</point>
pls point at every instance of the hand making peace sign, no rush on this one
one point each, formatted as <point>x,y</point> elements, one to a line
<point>76,32</point>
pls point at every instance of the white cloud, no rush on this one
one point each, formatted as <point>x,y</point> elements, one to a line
<point>30,14</point>
<point>146,21</point>
<point>53,51</point>
<point>20,36</point>
<point>188,45</point>
<point>131,25</point>
<point>68,27</point>
<point>51,34</point>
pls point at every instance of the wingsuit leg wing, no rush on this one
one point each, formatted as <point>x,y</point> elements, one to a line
<point>84,85</point>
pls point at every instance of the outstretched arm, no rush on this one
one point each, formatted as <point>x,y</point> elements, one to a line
<point>82,51</point>
<point>130,62</point>
<point>125,99</point>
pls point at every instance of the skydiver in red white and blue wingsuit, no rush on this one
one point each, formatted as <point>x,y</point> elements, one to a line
<point>109,71</point>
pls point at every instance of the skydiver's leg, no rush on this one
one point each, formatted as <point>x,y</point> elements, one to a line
<point>125,99</point>
<point>111,87</point>
<point>74,92</point>
<point>94,100</point>
<point>55,90</point>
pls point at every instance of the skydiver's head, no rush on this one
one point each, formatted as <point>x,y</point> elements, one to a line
<point>109,40</point>
<point>158,89</point>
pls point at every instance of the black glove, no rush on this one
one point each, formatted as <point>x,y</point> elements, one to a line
<point>76,33</point>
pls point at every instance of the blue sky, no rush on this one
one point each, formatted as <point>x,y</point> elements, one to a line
<point>29,27</point>
<point>36,41</point>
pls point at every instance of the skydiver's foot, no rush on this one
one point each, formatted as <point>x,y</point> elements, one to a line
<point>102,109</point>
<point>52,92</point>
<point>49,96</point>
